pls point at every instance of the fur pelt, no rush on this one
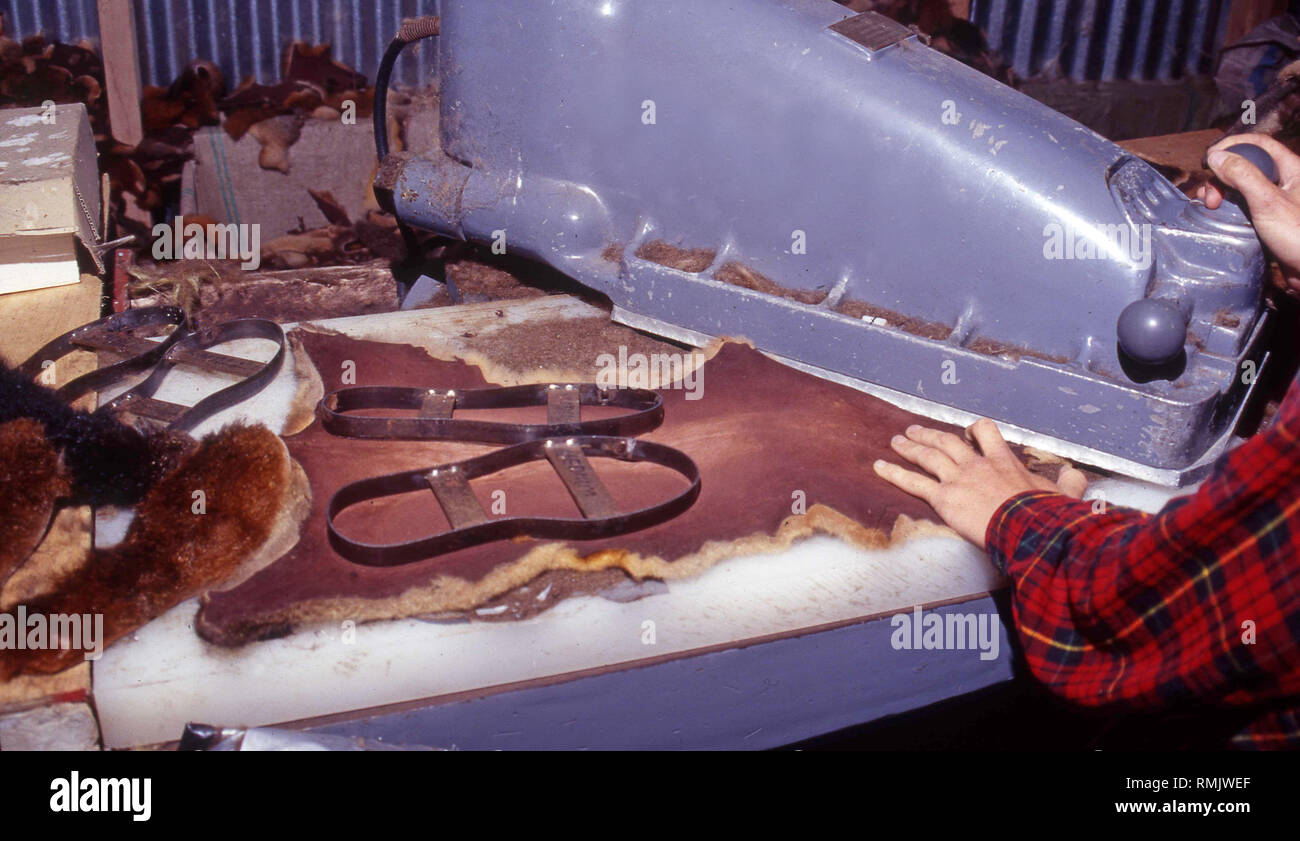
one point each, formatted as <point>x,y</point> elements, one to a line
<point>192,530</point>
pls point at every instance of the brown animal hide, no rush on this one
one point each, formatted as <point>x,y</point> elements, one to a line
<point>782,454</point>
<point>173,550</point>
<point>31,482</point>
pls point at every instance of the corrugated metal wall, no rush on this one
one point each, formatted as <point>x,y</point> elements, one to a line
<point>61,20</point>
<point>1105,39</point>
<point>248,37</point>
<point>244,37</point>
<point>1077,39</point>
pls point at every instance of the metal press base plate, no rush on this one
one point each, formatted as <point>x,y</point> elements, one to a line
<point>1173,478</point>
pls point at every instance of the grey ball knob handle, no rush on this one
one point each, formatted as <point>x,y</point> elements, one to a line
<point>1152,331</point>
<point>1256,155</point>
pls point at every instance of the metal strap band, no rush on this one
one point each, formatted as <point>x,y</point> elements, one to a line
<point>149,409</point>
<point>438,405</point>
<point>450,486</point>
<point>339,412</point>
<point>123,344</point>
<point>180,347</point>
<point>190,347</point>
<point>87,336</point>
<point>580,478</point>
<point>563,405</point>
<point>455,498</point>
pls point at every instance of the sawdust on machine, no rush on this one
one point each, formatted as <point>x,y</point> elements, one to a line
<point>738,274</point>
<point>911,324</point>
<point>693,260</point>
<point>735,273</point>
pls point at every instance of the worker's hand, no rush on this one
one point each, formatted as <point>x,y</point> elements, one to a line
<point>1274,208</point>
<point>971,485</point>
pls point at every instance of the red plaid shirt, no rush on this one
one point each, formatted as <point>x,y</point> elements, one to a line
<point>1196,605</point>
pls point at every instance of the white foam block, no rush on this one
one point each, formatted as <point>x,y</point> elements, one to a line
<point>149,686</point>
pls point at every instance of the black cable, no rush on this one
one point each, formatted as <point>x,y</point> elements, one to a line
<point>412,29</point>
<point>380,111</point>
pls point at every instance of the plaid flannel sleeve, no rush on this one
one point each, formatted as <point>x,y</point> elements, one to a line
<point>1200,601</point>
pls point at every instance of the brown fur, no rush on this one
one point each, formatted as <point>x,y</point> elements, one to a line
<point>170,552</point>
<point>738,274</point>
<point>31,482</point>
<point>693,260</point>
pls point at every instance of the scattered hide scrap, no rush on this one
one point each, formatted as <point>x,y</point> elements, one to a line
<point>312,84</point>
<point>770,442</point>
<point>34,70</point>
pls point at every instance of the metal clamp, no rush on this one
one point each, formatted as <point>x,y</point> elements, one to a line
<point>435,407</point>
<point>471,525</point>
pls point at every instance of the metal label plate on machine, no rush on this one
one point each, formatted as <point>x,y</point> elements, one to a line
<point>872,30</point>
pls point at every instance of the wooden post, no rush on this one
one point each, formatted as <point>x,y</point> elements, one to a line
<point>117,46</point>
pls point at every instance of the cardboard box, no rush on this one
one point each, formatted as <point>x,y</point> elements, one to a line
<point>49,196</point>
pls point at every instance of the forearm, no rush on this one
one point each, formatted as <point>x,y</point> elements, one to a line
<point>1072,572</point>
<point>1041,526</point>
<point>1113,606</point>
<point>1116,606</point>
